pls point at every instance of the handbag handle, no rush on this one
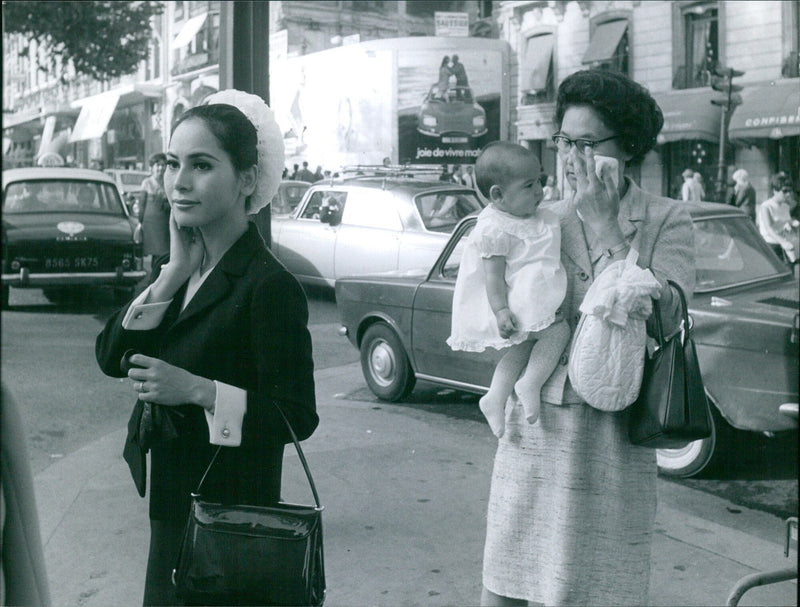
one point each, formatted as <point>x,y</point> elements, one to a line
<point>299,452</point>
<point>684,314</point>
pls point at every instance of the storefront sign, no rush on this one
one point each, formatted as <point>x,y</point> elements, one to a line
<point>451,24</point>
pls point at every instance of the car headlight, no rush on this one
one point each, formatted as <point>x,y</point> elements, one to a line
<point>478,120</point>
<point>428,120</point>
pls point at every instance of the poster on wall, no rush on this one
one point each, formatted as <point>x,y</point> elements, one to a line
<point>412,100</point>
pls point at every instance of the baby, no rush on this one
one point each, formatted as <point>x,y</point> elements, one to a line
<point>511,283</point>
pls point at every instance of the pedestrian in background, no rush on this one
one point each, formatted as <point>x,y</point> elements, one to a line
<point>775,221</point>
<point>744,195</point>
<point>220,334</point>
<point>572,502</point>
<point>468,178</point>
<point>550,189</point>
<point>154,212</point>
<point>699,186</point>
<point>688,189</point>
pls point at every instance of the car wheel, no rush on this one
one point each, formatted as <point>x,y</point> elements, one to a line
<point>385,364</point>
<point>123,295</point>
<point>58,295</point>
<point>698,455</point>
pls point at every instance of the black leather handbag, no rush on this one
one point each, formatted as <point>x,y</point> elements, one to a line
<point>672,408</point>
<point>252,555</point>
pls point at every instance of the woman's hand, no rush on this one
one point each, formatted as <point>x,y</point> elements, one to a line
<point>186,250</point>
<point>161,383</point>
<point>597,202</point>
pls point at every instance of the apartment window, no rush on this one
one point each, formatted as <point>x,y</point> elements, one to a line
<point>536,71</point>
<point>698,45</point>
<point>609,46</point>
<point>791,39</point>
<point>177,12</point>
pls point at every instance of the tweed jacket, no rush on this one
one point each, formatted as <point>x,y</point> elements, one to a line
<point>246,327</point>
<point>660,229</point>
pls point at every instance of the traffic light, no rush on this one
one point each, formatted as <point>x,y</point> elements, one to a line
<point>722,81</point>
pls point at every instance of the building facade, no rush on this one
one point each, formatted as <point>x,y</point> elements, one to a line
<point>551,40</point>
<point>120,123</point>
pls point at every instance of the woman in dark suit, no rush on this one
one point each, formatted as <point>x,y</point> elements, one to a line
<point>220,333</point>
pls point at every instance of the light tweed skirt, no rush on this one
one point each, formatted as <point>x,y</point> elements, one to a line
<point>571,510</point>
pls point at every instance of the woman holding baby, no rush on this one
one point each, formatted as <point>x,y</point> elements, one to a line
<point>572,501</point>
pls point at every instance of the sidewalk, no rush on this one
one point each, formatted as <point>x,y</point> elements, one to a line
<point>404,519</point>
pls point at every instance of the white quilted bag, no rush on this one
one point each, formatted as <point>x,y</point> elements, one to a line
<point>607,356</point>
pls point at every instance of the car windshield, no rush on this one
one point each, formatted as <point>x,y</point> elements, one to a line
<point>441,211</point>
<point>61,196</point>
<point>730,252</point>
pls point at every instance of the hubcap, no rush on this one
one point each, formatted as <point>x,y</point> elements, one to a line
<point>383,363</point>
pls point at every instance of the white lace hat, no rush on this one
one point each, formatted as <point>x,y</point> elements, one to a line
<point>270,143</point>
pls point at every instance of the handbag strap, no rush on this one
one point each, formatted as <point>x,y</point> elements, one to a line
<point>299,452</point>
<point>684,315</point>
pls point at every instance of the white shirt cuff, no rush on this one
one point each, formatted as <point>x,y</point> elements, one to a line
<point>225,424</point>
<point>143,316</point>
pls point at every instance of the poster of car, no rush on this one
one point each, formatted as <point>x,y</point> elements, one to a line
<point>418,100</point>
<point>448,102</point>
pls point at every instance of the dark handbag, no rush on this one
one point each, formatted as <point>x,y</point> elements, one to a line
<point>672,408</point>
<point>252,555</point>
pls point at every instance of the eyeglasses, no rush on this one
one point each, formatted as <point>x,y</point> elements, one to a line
<point>564,143</point>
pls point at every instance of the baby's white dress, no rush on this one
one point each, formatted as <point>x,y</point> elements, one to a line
<point>534,275</point>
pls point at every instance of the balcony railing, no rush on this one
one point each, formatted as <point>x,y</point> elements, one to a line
<point>194,62</point>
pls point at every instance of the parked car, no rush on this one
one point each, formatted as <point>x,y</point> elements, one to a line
<point>65,228</point>
<point>454,117</point>
<point>129,183</point>
<point>744,309</point>
<point>370,224</point>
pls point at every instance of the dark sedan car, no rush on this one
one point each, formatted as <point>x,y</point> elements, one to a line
<point>65,228</point>
<point>744,308</point>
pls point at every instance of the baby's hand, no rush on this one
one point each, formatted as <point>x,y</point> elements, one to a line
<point>506,323</point>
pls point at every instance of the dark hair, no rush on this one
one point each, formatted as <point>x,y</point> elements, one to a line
<point>492,167</point>
<point>157,157</point>
<point>234,132</point>
<point>779,181</point>
<point>624,106</point>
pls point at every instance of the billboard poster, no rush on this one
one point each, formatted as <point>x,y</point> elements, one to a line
<point>448,103</point>
<point>420,100</point>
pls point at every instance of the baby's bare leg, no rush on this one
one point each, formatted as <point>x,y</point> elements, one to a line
<point>493,404</point>
<point>550,344</point>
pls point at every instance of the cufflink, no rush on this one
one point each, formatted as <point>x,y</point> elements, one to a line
<point>225,432</point>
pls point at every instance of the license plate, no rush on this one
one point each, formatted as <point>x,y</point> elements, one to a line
<point>454,139</point>
<point>72,263</point>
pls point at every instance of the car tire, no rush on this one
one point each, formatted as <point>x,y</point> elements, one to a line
<point>385,364</point>
<point>698,456</point>
<point>123,295</point>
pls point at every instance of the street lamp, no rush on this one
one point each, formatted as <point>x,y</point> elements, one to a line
<point>722,81</point>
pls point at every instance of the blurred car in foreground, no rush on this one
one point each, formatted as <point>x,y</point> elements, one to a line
<point>455,117</point>
<point>744,308</point>
<point>65,228</point>
<point>369,224</point>
<point>129,183</point>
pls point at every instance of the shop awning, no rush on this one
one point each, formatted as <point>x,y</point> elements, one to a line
<point>189,31</point>
<point>536,65</point>
<point>768,110</point>
<point>689,115</point>
<point>605,41</point>
<point>95,113</point>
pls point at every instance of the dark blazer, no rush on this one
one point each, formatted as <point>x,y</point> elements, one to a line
<point>245,326</point>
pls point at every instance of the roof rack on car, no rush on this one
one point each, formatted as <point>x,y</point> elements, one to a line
<point>370,171</point>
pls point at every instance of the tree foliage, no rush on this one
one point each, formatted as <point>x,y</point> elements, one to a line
<point>102,40</point>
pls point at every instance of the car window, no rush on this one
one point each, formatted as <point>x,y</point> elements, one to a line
<point>372,209</point>
<point>48,196</point>
<point>441,211</point>
<point>729,251</point>
<point>453,261</point>
<point>311,211</point>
